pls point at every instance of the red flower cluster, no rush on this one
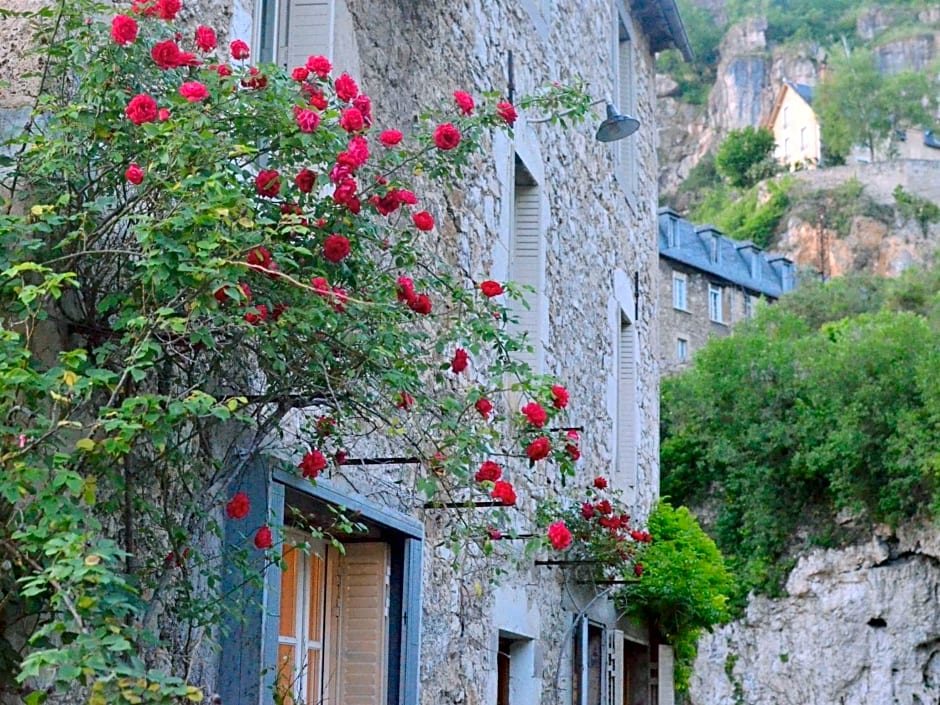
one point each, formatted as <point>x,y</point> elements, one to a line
<point>268,183</point>
<point>167,55</point>
<point>446,136</point>
<point>464,102</point>
<point>164,9</point>
<point>346,88</point>
<point>141,108</point>
<point>559,536</point>
<point>559,396</point>
<point>419,303</point>
<point>538,449</point>
<point>488,472</point>
<point>460,361</point>
<point>123,30</point>
<point>503,492</point>
<point>313,463</point>
<point>405,401</point>
<point>319,65</point>
<point>238,507</point>
<point>335,248</point>
<point>535,414</point>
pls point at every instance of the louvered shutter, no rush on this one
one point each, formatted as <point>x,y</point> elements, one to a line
<point>667,691</point>
<point>306,30</point>
<point>362,653</point>
<point>524,267</point>
<point>626,148</point>
<point>613,694</point>
<point>626,408</point>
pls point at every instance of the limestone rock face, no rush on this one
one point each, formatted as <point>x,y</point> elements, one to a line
<point>737,99</point>
<point>861,625</point>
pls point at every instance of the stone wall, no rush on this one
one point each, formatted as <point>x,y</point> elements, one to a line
<point>859,626</point>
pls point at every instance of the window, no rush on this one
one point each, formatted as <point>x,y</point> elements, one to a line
<point>589,674</point>
<point>802,138</point>
<point>327,626</point>
<point>679,297</point>
<point>626,431</point>
<point>682,349</point>
<point>333,623</point>
<point>289,31</point>
<point>515,668</point>
<point>786,116</point>
<point>525,264</point>
<point>786,149</point>
<point>625,166</point>
<point>748,306</point>
<point>610,668</point>
<point>715,304</point>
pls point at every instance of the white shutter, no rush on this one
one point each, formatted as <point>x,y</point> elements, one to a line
<point>667,689</point>
<point>613,694</point>
<point>362,654</point>
<point>626,148</point>
<point>525,264</point>
<point>307,31</point>
<point>626,408</point>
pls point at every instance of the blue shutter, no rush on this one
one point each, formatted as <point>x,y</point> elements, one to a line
<point>411,618</point>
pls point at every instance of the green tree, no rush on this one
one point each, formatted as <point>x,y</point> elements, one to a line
<point>745,156</point>
<point>858,105</point>
<point>824,402</point>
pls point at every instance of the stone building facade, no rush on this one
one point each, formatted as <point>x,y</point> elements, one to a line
<point>707,284</point>
<point>441,631</point>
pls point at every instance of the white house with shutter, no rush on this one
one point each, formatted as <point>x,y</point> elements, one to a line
<point>389,619</point>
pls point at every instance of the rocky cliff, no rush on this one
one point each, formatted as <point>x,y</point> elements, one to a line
<point>860,626</point>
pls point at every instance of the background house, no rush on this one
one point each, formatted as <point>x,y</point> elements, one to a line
<point>708,283</point>
<point>396,619</point>
<point>795,127</point>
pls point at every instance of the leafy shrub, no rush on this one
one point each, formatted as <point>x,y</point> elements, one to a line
<point>746,156</point>
<point>910,206</point>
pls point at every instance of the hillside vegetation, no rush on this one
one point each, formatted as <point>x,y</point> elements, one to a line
<point>818,418</point>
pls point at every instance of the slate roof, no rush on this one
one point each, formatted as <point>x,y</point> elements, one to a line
<point>695,247</point>
<point>805,92</point>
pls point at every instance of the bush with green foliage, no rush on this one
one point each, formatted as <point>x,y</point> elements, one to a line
<point>910,206</point>
<point>745,156</point>
<point>742,215</point>
<point>825,402</point>
<point>685,586</point>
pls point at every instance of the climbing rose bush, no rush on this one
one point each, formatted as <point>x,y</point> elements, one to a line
<point>196,250</point>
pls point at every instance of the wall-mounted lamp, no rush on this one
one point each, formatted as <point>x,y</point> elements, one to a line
<point>614,127</point>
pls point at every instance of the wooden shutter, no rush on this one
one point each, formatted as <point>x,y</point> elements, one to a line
<point>613,694</point>
<point>362,641</point>
<point>667,689</point>
<point>626,408</point>
<point>525,264</point>
<point>306,30</point>
<point>626,148</point>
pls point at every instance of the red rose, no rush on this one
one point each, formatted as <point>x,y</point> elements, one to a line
<point>239,50</point>
<point>223,70</point>
<point>320,65</point>
<point>641,536</point>
<point>256,80</point>
<point>305,180</point>
<point>587,510</point>
<point>538,449</point>
<point>268,183</point>
<point>193,91</point>
<point>238,506</point>
<point>460,361</point>
<point>491,288</point>
<point>600,483</point>
<point>535,414</point>
<point>420,303</point>
<point>351,120</point>
<point>320,286</point>
<point>390,138</point>
<point>356,154</point>
<point>446,136</point>
<point>300,74</point>
<point>405,401</point>
<point>423,220</point>
<point>163,115</point>
<point>345,192</point>
<point>221,294</point>
<point>559,396</point>
<point>312,464</point>
<point>263,538</point>
<point>335,248</point>
<point>604,507</point>
<point>167,55</point>
<point>484,407</point>
<point>142,108</point>
<point>205,38</point>
<point>638,569</point>
<point>144,8</point>
<point>494,533</point>
<point>123,30</point>
<point>168,9</point>
<point>260,258</point>
<point>464,102</point>
<point>406,196</point>
<point>363,104</point>
<point>386,204</point>
<point>346,88</point>
<point>573,451</point>
<point>257,315</point>
<point>134,174</point>
<point>507,112</point>
<point>612,523</point>
<point>503,492</point>
<point>559,536</point>
<point>307,120</point>
<point>405,290</point>
<point>488,472</point>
